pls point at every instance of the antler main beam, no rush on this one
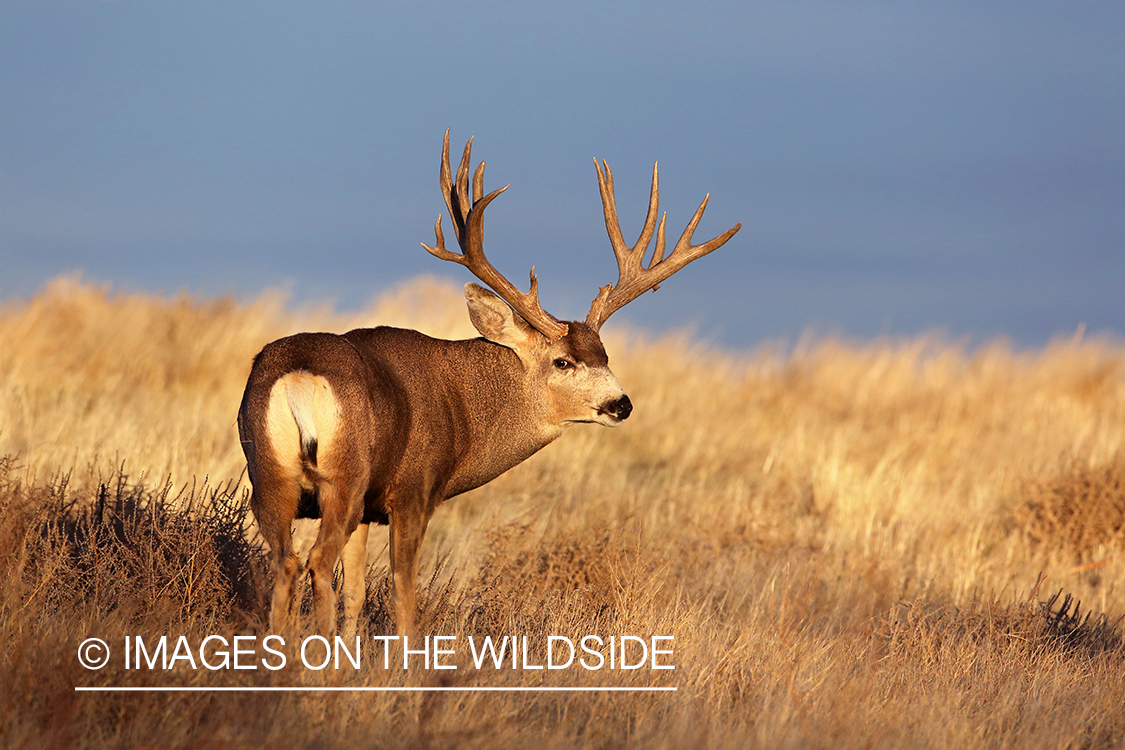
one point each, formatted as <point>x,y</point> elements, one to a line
<point>468,222</point>
<point>634,276</point>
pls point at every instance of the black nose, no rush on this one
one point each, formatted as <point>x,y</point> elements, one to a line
<point>621,408</point>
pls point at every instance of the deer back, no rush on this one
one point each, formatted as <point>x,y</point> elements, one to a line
<point>412,414</point>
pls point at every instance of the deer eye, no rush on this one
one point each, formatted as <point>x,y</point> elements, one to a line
<point>562,364</point>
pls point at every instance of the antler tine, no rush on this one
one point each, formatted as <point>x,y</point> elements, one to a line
<point>478,182</point>
<point>462,183</point>
<point>628,258</point>
<point>634,278</point>
<point>468,220</point>
<point>447,191</point>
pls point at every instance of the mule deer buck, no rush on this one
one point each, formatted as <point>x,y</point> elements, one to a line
<point>382,425</point>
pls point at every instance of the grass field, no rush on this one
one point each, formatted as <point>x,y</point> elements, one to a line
<point>887,544</point>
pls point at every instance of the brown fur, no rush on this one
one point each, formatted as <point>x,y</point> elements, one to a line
<point>403,422</point>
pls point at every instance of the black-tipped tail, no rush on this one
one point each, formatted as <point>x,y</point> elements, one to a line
<point>309,446</point>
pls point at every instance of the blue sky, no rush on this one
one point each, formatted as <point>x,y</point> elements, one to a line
<point>897,167</point>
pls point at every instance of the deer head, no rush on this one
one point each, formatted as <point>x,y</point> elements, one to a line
<point>566,357</point>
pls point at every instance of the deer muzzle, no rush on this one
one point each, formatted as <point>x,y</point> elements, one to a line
<point>619,409</point>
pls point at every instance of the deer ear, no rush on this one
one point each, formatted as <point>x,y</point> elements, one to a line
<point>495,320</point>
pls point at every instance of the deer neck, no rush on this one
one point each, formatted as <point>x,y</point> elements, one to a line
<point>505,416</point>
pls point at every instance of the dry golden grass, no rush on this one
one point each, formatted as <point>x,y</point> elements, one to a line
<point>854,545</point>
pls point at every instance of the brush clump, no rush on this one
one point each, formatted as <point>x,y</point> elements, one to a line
<point>1080,508</point>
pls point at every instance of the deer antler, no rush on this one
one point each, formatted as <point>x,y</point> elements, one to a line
<point>634,278</point>
<point>468,221</point>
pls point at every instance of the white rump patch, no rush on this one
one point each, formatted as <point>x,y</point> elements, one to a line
<point>302,420</point>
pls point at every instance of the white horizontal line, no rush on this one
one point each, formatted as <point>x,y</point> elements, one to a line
<point>306,689</point>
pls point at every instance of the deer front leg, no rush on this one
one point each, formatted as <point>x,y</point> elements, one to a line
<point>408,526</point>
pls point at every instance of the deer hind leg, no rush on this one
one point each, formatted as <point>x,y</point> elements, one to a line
<point>339,503</point>
<point>355,578</point>
<point>275,505</point>
<point>287,570</point>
